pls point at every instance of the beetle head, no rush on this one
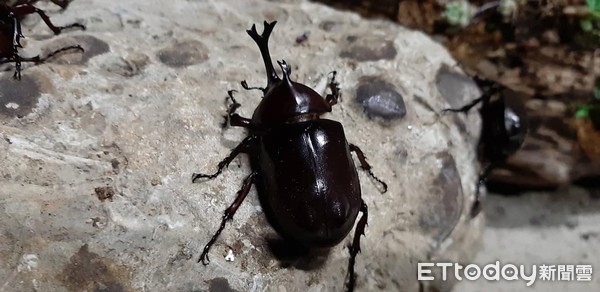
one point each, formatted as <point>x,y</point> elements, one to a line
<point>284,100</point>
<point>504,121</point>
<point>516,130</point>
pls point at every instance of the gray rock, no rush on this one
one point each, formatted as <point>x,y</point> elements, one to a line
<point>380,99</point>
<point>96,164</point>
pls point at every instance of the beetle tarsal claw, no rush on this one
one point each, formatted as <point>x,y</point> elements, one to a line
<point>196,176</point>
<point>245,86</point>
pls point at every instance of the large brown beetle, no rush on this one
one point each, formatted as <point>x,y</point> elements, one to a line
<point>301,164</point>
<point>503,131</point>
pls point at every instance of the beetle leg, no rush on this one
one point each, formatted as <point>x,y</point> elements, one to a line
<point>15,59</point>
<point>232,118</point>
<point>466,108</point>
<point>245,86</point>
<point>479,197</point>
<point>366,167</point>
<point>242,147</point>
<point>25,9</point>
<point>335,94</point>
<point>62,3</point>
<point>355,247</point>
<point>229,212</point>
<point>37,59</point>
<point>490,90</point>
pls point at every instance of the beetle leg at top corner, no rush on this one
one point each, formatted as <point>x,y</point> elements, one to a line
<point>502,132</point>
<point>10,33</point>
<point>302,165</point>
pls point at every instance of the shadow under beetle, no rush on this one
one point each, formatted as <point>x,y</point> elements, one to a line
<point>10,32</point>
<point>502,132</point>
<point>301,164</point>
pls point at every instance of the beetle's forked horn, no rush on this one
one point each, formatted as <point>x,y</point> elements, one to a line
<point>263,44</point>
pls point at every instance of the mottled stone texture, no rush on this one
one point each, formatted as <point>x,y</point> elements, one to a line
<point>98,149</point>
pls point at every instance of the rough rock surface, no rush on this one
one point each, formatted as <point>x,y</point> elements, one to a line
<point>98,149</point>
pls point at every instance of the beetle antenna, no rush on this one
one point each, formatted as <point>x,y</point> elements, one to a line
<point>263,44</point>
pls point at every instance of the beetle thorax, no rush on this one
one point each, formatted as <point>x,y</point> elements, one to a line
<point>287,101</point>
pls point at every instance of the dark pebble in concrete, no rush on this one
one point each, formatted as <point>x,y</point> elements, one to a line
<point>220,285</point>
<point>446,200</point>
<point>182,54</point>
<point>130,66</point>
<point>88,271</point>
<point>458,89</point>
<point>379,98</point>
<point>18,98</point>
<point>368,48</point>
<point>92,46</point>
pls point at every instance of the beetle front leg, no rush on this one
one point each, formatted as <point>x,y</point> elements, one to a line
<point>492,89</point>
<point>25,9</point>
<point>355,247</point>
<point>15,59</point>
<point>231,117</point>
<point>335,94</point>
<point>466,108</point>
<point>62,3</point>
<point>241,148</point>
<point>366,167</point>
<point>479,197</point>
<point>245,86</point>
<point>229,212</point>
<point>38,60</point>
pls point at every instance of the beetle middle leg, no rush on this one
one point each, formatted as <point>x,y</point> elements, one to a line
<point>240,148</point>
<point>355,247</point>
<point>228,215</point>
<point>366,167</point>
<point>25,9</point>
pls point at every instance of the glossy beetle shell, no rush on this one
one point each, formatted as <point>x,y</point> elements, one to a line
<point>308,184</point>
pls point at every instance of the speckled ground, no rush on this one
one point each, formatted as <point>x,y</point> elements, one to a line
<point>98,149</point>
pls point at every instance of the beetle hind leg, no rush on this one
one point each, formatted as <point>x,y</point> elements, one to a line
<point>355,247</point>
<point>366,167</point>
<point>228,215</point>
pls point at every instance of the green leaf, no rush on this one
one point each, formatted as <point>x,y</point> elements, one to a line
<point>583,112</point>
<point>593,5</point>
<point>586,25</point>
<point>458,13</point>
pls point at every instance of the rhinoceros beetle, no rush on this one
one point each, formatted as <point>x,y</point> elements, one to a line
<point>503,131</point>
<point>301,164</point>
<point>10,32</point>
